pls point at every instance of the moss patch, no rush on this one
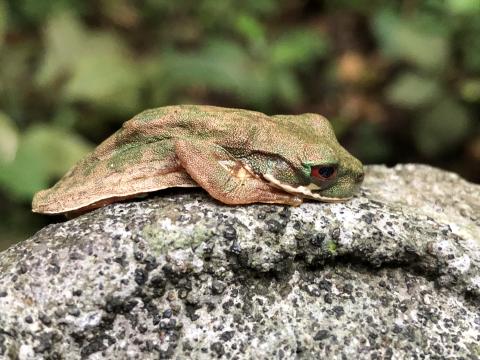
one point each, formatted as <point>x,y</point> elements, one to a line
<point>331,247</point>
<point>161,239</point>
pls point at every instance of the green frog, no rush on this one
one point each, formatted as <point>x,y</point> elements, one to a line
<point>237,156</point>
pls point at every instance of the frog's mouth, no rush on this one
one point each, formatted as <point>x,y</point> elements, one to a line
<point>304,191</point>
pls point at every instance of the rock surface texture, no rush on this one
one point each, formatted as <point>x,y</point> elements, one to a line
<point>392,274</point>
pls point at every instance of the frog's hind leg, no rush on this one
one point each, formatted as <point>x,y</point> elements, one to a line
<point>225,178</point>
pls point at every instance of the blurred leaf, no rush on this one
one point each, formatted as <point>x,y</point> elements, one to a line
<point>410,90</point>
<point>340,125</point>
<point>446,125</point>
<point>470,44</point>
<point>121,12</point>
<point>65,117</point>
<point>370,145</point>
<point>3,21</point>
<point>8,139</point>
<point>297,48</point>
<point>98,66</point>
<point>36,11</point>
<point>470,90</point>
<point>360,6</point>
<point>410,40</point>
<point>105,75</point>
<point>288,88</point>
<point>15,80</point>
<point>220,65</point>
<point>250,28</point>
<point>65,38</point>
<point>223,14</point>
<point>463,7</point>
<point>260,7</point>
<point>225,66</point>
<point>44,153</point>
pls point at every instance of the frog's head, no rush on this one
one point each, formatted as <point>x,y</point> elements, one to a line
<point>322,169</point>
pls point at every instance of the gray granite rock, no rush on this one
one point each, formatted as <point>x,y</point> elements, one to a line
<point>394,273</point>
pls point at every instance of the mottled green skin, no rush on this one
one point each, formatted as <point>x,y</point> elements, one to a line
<point>212,147</point>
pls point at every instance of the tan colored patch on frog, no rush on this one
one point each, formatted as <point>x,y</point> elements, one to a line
<point>238,169</point>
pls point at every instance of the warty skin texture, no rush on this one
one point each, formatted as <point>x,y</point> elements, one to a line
<point>237,156</point>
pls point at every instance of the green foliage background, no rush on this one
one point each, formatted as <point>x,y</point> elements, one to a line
<point>400,80</point>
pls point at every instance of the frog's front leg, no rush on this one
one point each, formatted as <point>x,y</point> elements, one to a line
<point>225,178</point>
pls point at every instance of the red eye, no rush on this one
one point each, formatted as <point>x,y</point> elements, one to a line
<point>324,172</point>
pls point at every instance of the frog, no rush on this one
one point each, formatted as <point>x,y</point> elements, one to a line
<point>237,156</point>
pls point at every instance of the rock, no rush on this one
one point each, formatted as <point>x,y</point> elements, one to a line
<point>393,273</point>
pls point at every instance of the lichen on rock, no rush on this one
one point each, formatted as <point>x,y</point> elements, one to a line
<point>394,273</point>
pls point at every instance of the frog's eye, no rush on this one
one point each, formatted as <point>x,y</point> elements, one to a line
<point>323,172</point>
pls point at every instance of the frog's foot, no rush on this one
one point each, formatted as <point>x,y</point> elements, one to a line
<point>225,178</point>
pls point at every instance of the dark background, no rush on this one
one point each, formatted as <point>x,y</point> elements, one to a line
<point>400,80</point>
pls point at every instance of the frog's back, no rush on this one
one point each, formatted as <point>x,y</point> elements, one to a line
<point>201,121</point>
